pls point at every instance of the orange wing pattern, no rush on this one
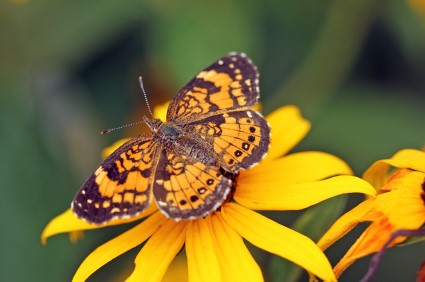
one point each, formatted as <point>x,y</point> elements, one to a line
<point>120,186</point>
<point>229,84</point>
<point>239,139</point>
<point>184,189</point>
<point>188,163</point>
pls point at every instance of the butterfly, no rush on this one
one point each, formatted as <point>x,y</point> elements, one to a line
<point>186,163</point>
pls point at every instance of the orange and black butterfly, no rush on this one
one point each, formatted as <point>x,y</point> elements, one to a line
<point>185,164</point>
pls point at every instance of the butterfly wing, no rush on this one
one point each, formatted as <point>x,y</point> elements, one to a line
<point>186,189</point>
<point>229,84</point>
<point>120,187</point>
<point>239,139</point>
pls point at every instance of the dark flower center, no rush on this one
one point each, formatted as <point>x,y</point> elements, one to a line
<point>234,178</point>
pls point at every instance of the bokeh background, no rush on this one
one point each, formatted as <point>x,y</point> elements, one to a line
<point>69,69</point>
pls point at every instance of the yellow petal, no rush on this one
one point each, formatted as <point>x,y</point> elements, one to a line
<point>288,128</point>
<point>160,111</point>
<point>119,245</point>
<point>155,257</point>
<point>377,173</point>
<point>372,240</point>
<point>109,150</point>
<point>403,204</point>
<point>230,248</point>
<point>272,195</point>
<point>68,222</point>
<point>345,224</point>
<point>296,168</point>
<point>277,239</point>
<point>177,271</point>
<point>201,257</point>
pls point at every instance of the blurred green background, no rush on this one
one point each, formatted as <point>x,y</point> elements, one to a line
<point>69,69</point>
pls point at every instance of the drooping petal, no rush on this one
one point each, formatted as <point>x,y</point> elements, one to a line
<point>377,173</point>
<point>371,241</point>
<point>158,252</point>
<point>398,206</point>
<point>295,168</point>
<point>201,256</point>
<point>345,224</point>
<point>267,193</point>
<point>68,222</point>
<point>288,128</point>
<point>277,239</point>
<point>230,249</point>
<point>119,245</point>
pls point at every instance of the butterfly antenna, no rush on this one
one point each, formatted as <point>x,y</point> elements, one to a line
<point>124,126</point>
<point>144,95</point>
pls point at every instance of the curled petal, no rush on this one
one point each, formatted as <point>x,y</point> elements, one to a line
<point>119,245</point>
<point>68,222</point>
<point>288,128</point>
<point>377,173</point>
<point>270,194</point>
<point>277,239</point>
<point>402,202</point>
<point>158,252</point>
<point>200,251</point>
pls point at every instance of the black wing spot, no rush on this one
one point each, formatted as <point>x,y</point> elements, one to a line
<point>245,146</point>
<point>193,198</point>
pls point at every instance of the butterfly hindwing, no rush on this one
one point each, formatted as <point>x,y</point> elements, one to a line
<point>120,187</point>
<point>230,83</point>
<point>184,189</point>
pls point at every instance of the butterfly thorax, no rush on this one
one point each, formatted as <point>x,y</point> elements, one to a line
<point>169,131</point>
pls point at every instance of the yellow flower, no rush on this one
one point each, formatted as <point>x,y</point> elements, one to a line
<point>214,245</point>
<point>400,205</point>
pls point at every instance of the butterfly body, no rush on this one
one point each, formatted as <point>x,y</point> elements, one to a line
<point>210,129</point>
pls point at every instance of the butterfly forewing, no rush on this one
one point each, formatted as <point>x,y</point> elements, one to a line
<point>120,187</point>
<point>229,84</point>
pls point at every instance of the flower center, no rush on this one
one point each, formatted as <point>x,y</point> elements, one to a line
<point>423,192</point>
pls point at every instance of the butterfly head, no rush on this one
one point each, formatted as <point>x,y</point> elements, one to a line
<point>154,124</point>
